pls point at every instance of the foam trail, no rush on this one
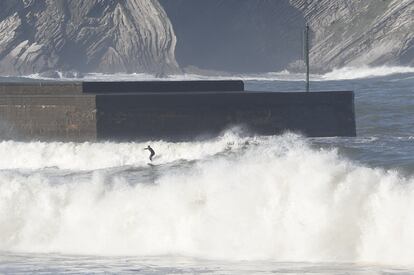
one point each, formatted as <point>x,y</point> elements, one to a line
<point>275,199</point>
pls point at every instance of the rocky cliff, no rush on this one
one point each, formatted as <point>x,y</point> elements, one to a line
<point>94,35</point>
<point>222,35</point>
<point>355,33</point>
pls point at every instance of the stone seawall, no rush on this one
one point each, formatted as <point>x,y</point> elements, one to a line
<point>150,110</point>
<point>48,117</point>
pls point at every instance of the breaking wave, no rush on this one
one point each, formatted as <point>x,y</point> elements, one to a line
<point>349,73</point>
<point>259,198</point>
<point>92,156</point>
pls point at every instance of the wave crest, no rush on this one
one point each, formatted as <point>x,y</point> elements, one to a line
<point>269,198</point>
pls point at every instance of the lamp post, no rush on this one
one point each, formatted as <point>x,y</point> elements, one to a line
<point>306,57</point>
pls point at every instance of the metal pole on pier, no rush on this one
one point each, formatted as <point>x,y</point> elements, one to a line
<point>306,57</point>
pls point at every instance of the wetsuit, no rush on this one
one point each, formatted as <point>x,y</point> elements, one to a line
<point>151,151</point>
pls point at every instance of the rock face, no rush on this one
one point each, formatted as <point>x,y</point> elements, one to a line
<point>222,35</point>
<point>94,35</point>
<point>236,35</point>
<point>355,33</point>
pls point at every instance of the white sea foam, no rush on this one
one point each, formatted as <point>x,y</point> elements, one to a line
<point>346,73</point>
<point>91,156</point>
<point>282,76</point>
<point>349,73</point>
<point>276,199</point>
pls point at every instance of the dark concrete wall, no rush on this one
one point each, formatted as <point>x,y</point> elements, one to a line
<point>181,116</point>
<point>163,86</point>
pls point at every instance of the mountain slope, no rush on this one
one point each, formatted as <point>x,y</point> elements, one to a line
<point>93,35</point>
<point>355,33</point>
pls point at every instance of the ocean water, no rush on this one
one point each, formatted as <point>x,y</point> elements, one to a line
<point>229,205</point>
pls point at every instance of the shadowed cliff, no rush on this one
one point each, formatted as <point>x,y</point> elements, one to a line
<point>266,35</point>
<point>236,35</point>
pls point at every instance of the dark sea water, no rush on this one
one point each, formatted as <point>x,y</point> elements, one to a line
<point>385,118</point>
<point>230,205</point>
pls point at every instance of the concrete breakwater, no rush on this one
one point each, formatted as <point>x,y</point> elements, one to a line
<point>171,110</point>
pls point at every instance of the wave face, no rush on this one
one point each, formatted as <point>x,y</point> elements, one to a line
<point>232,198</point>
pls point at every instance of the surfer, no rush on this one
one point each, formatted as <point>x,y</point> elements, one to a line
<point>151,151</point>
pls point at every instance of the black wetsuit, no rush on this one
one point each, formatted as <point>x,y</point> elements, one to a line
<point>151,151</point>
